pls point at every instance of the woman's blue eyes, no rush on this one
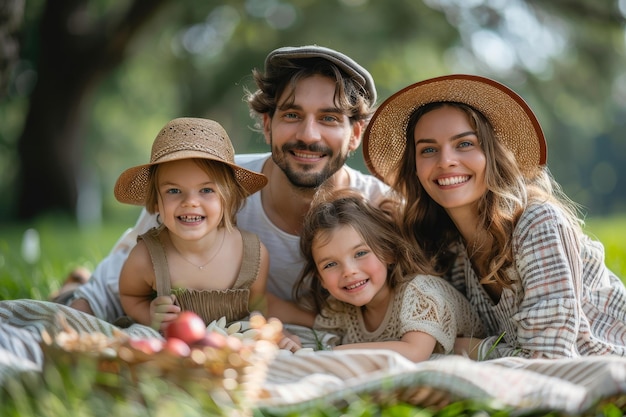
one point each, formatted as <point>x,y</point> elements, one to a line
<point>430,149</point>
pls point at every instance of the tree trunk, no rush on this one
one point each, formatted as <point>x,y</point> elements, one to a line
<point>76,54</point>
<point>11,15</point>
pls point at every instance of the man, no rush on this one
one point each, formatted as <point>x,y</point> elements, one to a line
<point>312,105</point>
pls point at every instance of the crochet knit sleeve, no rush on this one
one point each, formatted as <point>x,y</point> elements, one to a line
<point>433,306</point>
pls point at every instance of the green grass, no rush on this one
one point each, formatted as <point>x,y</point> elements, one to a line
<point>611,232</point>
<point>82,391</point>
<point>63,247</point>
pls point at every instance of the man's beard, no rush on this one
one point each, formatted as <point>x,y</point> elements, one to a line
<point>302,178</point>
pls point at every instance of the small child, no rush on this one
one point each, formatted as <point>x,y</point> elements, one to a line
<point>197,259</point>
<point>360,280</point>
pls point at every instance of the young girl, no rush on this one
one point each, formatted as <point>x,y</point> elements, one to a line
<point>468,156</point>
<point>196,259</point>
<point>360,279</point>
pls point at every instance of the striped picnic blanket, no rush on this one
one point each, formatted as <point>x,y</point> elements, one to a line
<point>299,381</point>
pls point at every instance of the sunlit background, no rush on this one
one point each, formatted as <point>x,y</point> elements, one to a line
<point>566,58</point>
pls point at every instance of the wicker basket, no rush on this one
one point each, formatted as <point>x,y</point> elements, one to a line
<point>232,371</point>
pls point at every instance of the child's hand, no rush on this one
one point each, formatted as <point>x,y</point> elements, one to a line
<point>163,311</point>
<point>289,342</point>
<point>467,346</point>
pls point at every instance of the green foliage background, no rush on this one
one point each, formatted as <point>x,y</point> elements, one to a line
<point>194,59</point>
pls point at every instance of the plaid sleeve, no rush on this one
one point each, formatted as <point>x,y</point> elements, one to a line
<point>547,258</point>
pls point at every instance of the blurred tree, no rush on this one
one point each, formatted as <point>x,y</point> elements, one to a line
<point>566,57</point>
<point>111,73</point>
<point>11,14</point>
<point>80,44</point>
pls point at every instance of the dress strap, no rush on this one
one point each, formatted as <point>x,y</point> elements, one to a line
<point>251,261</point>
<point>159,261</point>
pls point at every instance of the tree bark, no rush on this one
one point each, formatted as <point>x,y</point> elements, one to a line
<point>11,15</point>
<point>76,54</point>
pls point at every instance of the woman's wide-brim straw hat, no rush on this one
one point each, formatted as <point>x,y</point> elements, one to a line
<point>185,138</point>
<point>514,123</point>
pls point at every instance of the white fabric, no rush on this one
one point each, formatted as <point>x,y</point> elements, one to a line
<point>298,383</point>
<point>569,386</point>
<point>22,321</point>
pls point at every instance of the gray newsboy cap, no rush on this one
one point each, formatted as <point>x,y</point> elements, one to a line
<point>347,64</point>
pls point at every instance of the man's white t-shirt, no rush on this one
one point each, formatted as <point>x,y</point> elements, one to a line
<point>102,290</point>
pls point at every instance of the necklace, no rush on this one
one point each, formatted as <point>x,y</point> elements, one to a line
<point>201,267</point>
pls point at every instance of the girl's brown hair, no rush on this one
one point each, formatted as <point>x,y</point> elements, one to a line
<point>348,207</point>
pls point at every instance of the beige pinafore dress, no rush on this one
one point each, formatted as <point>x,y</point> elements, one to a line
<point>211,305</point>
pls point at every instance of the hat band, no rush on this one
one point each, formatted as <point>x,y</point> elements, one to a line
<point>177,149</point>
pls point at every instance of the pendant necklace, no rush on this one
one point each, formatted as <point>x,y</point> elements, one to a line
<point>201,267</point>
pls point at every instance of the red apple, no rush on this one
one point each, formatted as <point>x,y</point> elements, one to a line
<point>188,327</point>
<point>212,339</point>
<point>177,347</point>
<point>148,346</point>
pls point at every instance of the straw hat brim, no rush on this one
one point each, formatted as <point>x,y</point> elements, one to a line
<point>132,185</point>
<point>514,123</point>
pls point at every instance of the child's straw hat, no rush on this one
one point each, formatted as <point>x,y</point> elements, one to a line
<point>185,138</point>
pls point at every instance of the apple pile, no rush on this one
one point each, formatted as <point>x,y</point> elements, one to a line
<point>187,338</point>
<point>188,350</point>
<point>187,330</point>
<point>188,333</point>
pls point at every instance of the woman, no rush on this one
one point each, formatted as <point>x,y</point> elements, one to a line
<point>468,155</point>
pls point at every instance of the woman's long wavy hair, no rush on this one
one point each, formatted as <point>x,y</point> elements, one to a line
<point>428,226</point>
<point>334,209</point>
